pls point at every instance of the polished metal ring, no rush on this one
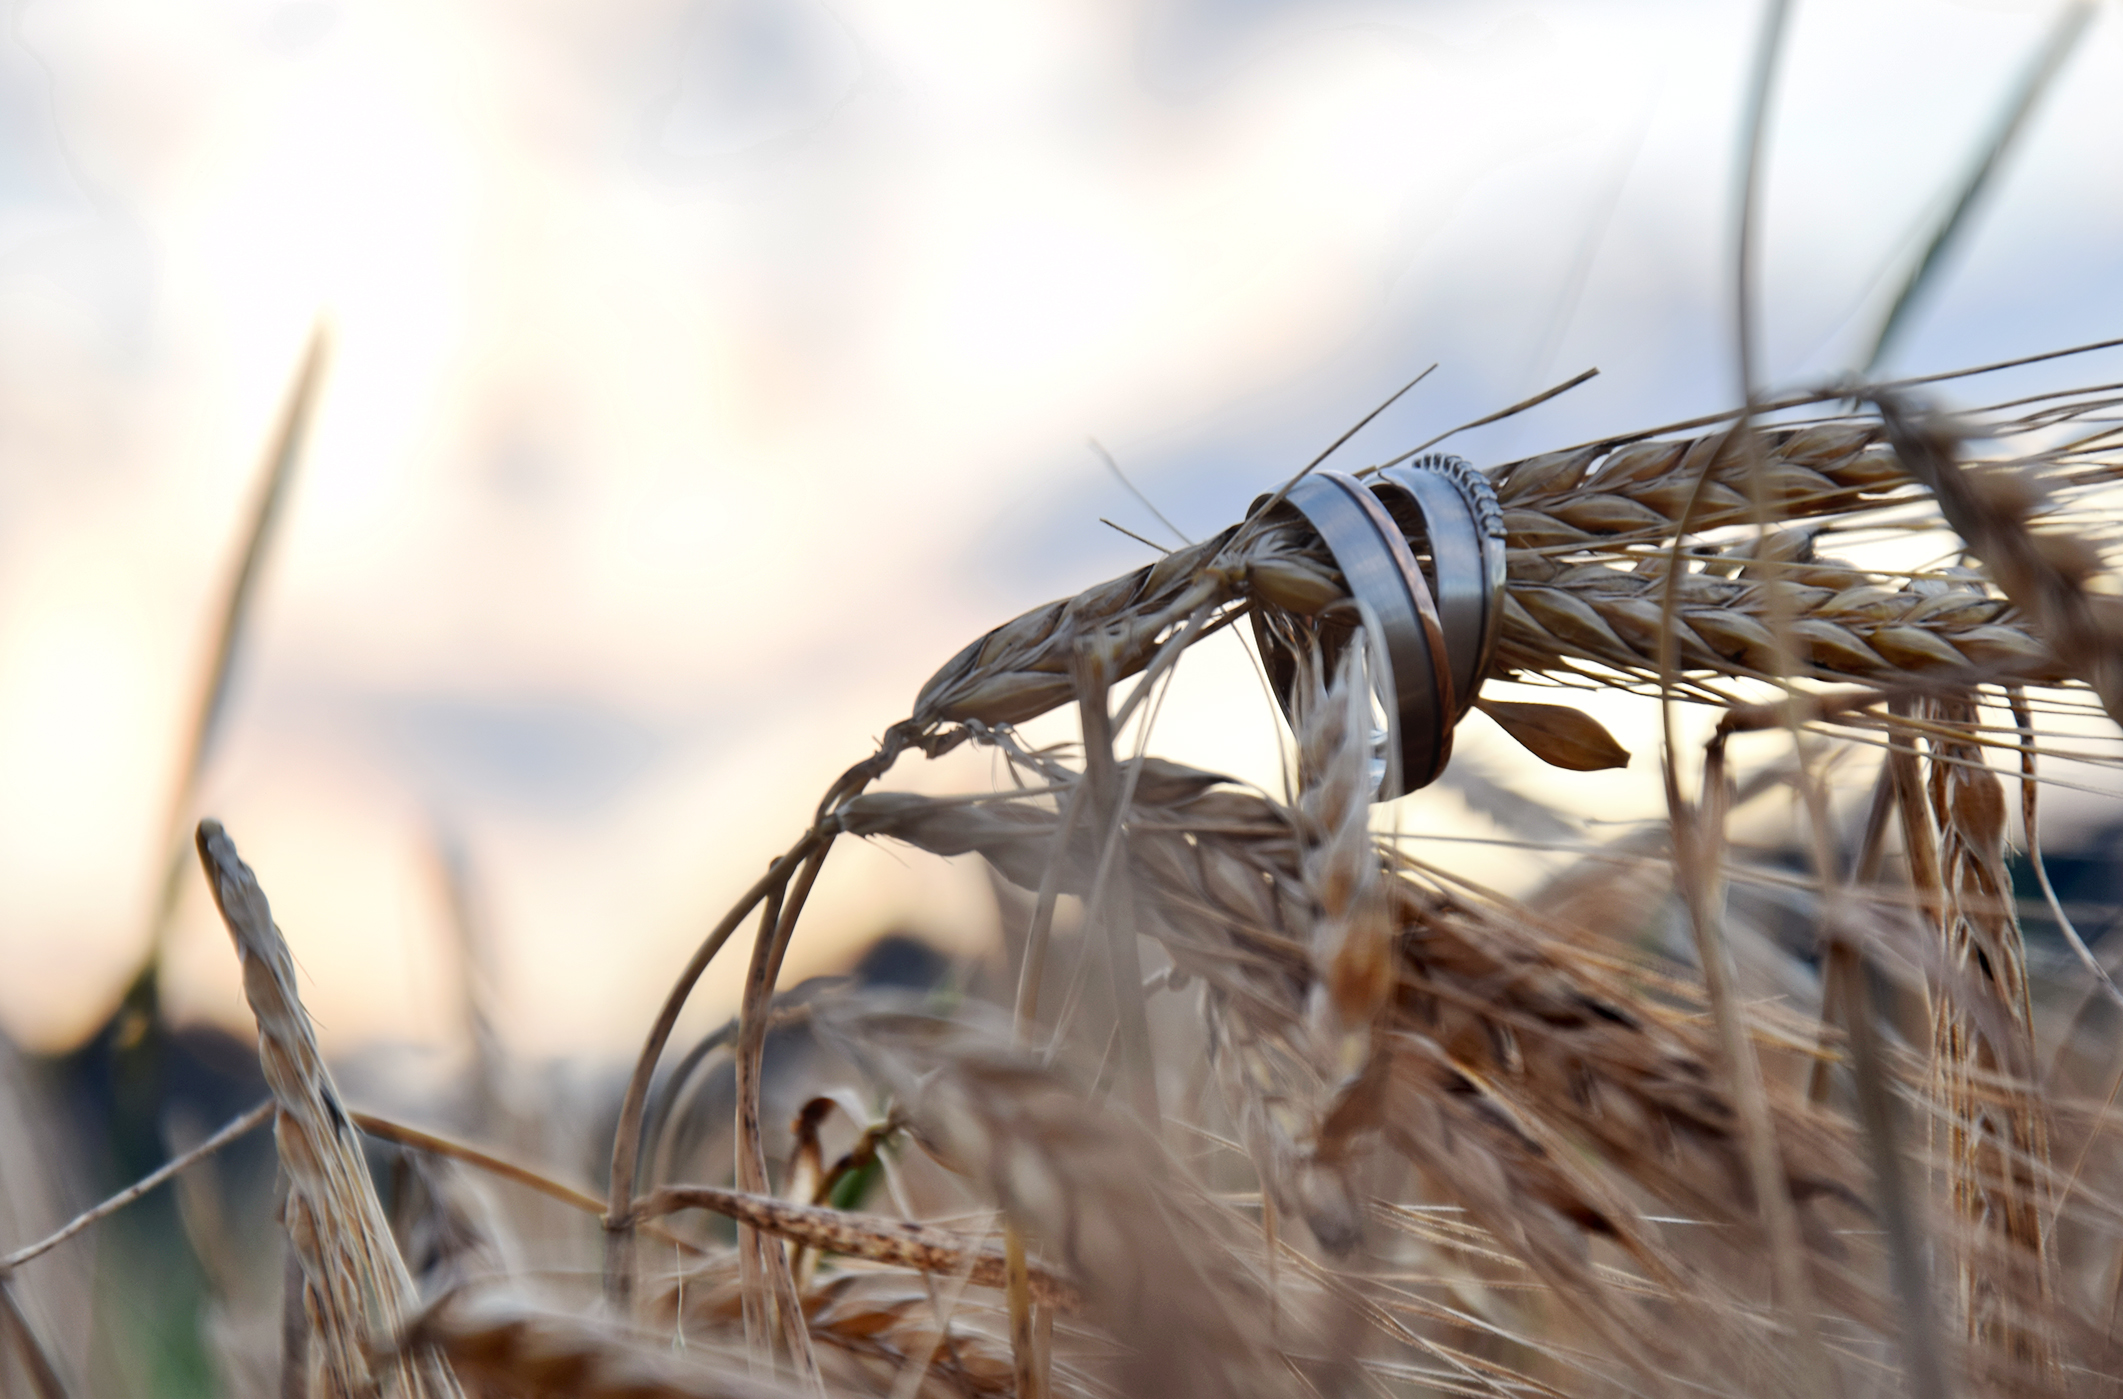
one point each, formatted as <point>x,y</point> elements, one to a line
<point>1449,513</point>
<point>1382,574</point>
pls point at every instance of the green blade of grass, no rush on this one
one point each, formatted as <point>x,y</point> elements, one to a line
<point>2041,74</point>
<point>289,436</point>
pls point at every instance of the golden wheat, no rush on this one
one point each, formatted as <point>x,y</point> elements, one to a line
<point>1451,1142</point>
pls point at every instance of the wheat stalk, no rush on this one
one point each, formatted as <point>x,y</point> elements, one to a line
<point>921,1247</point>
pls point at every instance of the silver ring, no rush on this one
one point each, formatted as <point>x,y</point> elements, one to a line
<point>1383,575</point>
<point>1451,509</point>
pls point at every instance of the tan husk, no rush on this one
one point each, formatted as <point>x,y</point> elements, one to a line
<point>1558,735</point>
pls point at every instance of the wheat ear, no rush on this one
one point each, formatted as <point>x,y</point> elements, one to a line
<point>1580,527</point>
<point>355,1284</point>
<point>1989,1127</point>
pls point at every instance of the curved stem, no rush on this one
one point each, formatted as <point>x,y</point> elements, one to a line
<point>755,1253</point>
<point>626,1141</point>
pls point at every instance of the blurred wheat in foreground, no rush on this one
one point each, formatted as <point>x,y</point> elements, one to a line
<point>1267,1105</point>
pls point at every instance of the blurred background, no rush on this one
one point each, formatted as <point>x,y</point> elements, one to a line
<point>702,375</point>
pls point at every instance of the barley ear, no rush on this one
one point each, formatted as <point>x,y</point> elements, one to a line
<point>355,1284</point>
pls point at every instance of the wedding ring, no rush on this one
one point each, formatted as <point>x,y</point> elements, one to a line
<point>1448,512</point>
<point>1384,578</point>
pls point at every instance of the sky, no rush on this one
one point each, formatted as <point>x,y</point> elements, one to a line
<point>703,375</point>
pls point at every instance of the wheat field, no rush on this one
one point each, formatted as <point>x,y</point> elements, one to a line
<point>1807,1085</point>
<point>1264,1100</point>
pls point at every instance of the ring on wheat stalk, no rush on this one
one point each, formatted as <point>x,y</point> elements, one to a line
<point>1422,551</point>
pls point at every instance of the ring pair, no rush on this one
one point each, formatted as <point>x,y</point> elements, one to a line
<point>1421,548</point>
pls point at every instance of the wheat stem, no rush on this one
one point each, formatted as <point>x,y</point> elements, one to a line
<point>239,1126</point>
<point>777,925</point>
<point>627,1139</point>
